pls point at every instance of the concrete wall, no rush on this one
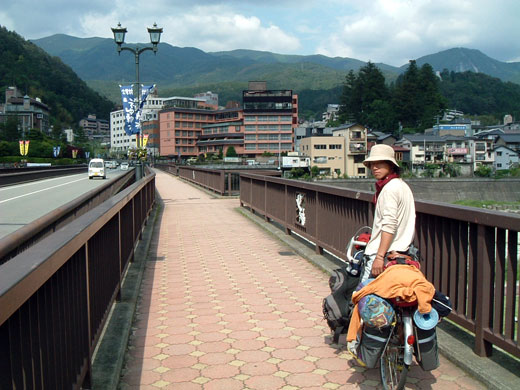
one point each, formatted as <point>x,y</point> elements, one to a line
<point>448,190</point>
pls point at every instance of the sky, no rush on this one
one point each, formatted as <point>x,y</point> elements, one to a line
<point>388,31</point>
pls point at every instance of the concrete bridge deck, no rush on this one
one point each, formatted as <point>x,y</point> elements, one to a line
<point>226,305</point>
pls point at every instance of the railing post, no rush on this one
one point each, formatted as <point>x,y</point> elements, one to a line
<point>87,382</point>
<point>484,290</point>
<point>319,249</point>
<point>286,213</point>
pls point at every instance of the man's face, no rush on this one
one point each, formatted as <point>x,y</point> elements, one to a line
<point>380,169</point>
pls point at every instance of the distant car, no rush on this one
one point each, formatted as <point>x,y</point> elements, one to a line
<point>96,168</point>
<point>124,166</point>
<point>110,164</point>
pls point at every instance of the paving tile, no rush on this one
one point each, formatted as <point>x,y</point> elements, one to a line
<point>225,311</point>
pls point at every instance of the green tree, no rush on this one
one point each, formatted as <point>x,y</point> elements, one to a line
<point>231,152</point>
<point>483,171</point>
<point>345,110</point>
<point>406,97</point>
<point>9,131</point>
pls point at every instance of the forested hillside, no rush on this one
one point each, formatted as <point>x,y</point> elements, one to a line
<point>480,94</point>
<point>37,74</point>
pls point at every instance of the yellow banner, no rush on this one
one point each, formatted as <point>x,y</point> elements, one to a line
<point>145,140</point>
<point>24,147</point>
<point>74,153</point>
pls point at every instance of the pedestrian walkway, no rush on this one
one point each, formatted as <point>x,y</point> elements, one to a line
<point>225,305</point>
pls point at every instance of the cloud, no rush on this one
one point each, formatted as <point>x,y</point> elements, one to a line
<point>395,31</point>
<point>390,31</point>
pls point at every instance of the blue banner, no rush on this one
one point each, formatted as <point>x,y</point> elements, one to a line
<point>129,109</point>
<point>131,112</point>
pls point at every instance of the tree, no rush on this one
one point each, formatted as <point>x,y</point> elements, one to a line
<point>9,131</point>
<point>231,152</point>
<point>366,99</point>
<point>345,110</point>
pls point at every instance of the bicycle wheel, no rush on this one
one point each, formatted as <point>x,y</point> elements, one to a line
<point>392,368</point>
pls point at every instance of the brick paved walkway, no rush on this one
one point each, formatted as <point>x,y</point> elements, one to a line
<point>224,305</point>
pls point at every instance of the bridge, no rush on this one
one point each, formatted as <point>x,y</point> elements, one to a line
<point>224,304</point>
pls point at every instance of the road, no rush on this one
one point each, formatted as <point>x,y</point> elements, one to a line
<point>23,203</point>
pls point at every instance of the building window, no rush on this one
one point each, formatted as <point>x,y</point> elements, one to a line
<point>320,146</point>
<point>361,171</point>
<point>250,146</point>
<point>334,146</point>
<point>250,128</point>
<point>250,137</point>
<point>499,154</point>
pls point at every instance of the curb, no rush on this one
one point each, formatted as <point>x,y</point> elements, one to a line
<point>496,372</point>
<point>108,359</point>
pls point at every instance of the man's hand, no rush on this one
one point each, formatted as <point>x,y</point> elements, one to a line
<point>377,266</point>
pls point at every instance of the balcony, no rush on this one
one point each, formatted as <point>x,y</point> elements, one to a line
<point>357,147</point>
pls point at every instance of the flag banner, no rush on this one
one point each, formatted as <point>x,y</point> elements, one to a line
<point>145,91</point>
<point>55,151</point>
<point>22,148</point>
<point>74,153</point>
<point>145,140</point>
<point>129,109</point>
<point>87,155</point>
<point>26,148</point>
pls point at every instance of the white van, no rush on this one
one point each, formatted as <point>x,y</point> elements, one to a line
<point>96,168</point>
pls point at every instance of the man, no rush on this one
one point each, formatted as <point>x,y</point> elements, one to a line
<point>394,219</point>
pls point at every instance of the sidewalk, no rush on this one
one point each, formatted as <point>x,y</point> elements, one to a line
<point>225,305</point>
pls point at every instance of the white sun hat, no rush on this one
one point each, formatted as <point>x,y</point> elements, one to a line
<point>381,152</point>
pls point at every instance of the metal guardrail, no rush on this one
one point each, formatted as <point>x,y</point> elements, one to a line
<point>55,296</point>
<point>22,175</point>
<point>222,181</point>
<point>469,254</point>
<point>26,236</point>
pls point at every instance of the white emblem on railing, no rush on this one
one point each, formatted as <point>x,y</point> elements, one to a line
<point>300,208</point>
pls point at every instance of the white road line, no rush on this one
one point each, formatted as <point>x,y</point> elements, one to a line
<point>45,189</point>
<point>7,188</point>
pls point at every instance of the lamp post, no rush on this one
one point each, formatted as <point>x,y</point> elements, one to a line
<point>119,38</point>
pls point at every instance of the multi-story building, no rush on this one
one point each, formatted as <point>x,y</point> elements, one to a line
<point>227,131</point>
<point>305,130</point>
<point>327,153</point>
<point>505,158</point>
<point>120,142</point>
<point>95,128</point>
<point>270,117</point>
<point>209,97</point>
<point>179,129</point>
<point>30,113</point>
<point>332,113</point>
<point>356,148</point>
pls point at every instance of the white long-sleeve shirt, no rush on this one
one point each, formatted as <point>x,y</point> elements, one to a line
<point>395,214</point>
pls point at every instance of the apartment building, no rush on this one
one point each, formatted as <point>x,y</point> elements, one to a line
<point>355,136</point>
<point>30,113</point>
<point>270,117</point>
<point>327,153</point>
<point>95,129</point>
<point>227,131</point>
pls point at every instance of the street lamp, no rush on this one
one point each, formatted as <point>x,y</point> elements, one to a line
<point>119,38</point>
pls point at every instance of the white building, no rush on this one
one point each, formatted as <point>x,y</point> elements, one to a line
<point>505,158</point>
<point>120,142</point>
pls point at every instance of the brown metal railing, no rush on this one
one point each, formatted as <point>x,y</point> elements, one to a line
<point>468,253</point>
<point>222,181</point>
<point>55,296</point>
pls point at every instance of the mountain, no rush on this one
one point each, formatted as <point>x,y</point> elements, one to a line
<point>462,60</point>
<point>186,71</point>
<point>36,73</point>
